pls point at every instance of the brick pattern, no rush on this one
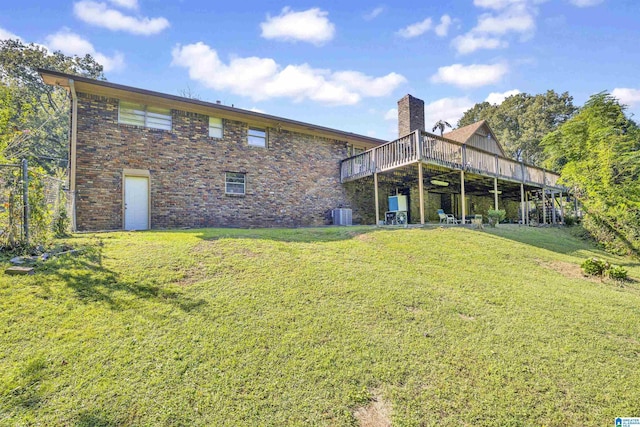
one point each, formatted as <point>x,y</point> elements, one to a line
<point>410,115</point>
<point>293,182</point>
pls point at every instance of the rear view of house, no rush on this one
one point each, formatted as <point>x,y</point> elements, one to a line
<point>142,159</point>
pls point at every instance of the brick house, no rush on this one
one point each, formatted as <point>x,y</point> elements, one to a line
<point>142,159</point>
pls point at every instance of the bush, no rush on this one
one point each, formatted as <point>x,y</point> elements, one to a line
<point>594,267</point>
<point>617,273</point>
<point>569,220</point>
<point>61,223</point>
<point>495,216</point>
<point>598,267</point>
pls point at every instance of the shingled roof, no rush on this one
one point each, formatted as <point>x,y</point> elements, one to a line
<point>464,134</point>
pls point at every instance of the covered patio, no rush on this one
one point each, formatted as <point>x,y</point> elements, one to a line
<point>434,172</point>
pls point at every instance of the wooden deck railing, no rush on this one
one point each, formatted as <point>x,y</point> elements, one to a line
<point>436,150</point>
<point>396,153</point>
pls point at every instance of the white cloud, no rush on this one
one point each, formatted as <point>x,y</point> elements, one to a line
<point>518,18</point>
<point>442,29</point>
<point>627,96</point>
<point>100,15</point>
<point>374,13</point>
<point>585,3</point>
<point>414,30</point>
<point>263,78</point>
<point>70,43</point>
<point>506,17</point>
<point>127,4</point>
<point>447,109</point>
<point>496,4</point>
<point>470,42</point>
<point>498,97</point>
<point>392,114</point>
<point>257,110</point>
<point>469,76</point>
<point>311,26</point>
<point>6,35</point>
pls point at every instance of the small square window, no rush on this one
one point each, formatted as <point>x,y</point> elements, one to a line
<point>257,137</point>
<point>235,183</point>
<point>215,127</point>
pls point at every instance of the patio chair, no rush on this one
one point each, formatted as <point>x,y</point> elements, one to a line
<point>446,218</point>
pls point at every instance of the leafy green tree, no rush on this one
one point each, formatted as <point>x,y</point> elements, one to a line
<point>521,121</point>
<point>34,119</point>
<point>598,154</point>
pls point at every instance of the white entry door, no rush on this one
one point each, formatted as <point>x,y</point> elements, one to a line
<point>136,202</point>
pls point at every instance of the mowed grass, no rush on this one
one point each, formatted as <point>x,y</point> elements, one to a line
<point>302,327</point>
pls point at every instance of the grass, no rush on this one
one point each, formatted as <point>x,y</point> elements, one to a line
<point>302,327</point>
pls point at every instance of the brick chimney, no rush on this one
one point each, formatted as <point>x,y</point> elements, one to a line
<point>410,115</point>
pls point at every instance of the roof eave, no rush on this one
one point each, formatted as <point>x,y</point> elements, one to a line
<point>100,87</point>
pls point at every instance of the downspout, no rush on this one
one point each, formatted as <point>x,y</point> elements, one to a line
<point>72,152</point>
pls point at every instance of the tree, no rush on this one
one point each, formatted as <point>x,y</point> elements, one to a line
<point>521,121</point>
<point>441,125</point>
<point>598,154</point>
<point>36,121</point>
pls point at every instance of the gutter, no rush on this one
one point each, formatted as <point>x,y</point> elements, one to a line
<point>72,152</point>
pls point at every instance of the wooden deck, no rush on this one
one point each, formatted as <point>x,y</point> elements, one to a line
<point>435,150</point>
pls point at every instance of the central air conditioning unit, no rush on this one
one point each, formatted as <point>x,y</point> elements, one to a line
<point>341,216</point>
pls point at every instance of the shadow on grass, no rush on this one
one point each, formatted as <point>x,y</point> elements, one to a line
<point>555,239</point>
<point>300,235</point>
<point>86,275</point>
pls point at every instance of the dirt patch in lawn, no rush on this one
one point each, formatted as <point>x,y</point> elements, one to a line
<point>376,414</point>
<point>567,269</point>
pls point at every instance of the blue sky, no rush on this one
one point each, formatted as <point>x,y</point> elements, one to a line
<point>345,64</point>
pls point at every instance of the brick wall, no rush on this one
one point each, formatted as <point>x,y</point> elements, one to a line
<point>294,182</point>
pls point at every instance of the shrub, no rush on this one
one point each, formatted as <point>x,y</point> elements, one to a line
<point>61,223</point>
<point>495,216</point>
<point>593,267</point>
<point>569,220</point>
<point>598,267</point>
<point>617,273</point>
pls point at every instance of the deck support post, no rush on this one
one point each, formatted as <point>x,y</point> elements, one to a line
<point>375,192</point>
<point>526,197</point>
<point>553,207</point>
<point>421,190</point>
<point>561,208</point>
<point>522,220</point>
<point>544,205</point>
<point>495,193</point>
<point>463,202</point>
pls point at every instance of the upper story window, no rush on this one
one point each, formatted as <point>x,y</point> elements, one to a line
<point>215,127</point>
<point>131,113</point>
<point>257,137</point>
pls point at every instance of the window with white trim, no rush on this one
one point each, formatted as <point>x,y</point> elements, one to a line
<point>235,183</point>
<point>130,113</point>
<point>215,127</point>
<point>257,137</point>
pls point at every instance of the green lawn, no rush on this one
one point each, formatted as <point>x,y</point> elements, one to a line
<point>302,327</point>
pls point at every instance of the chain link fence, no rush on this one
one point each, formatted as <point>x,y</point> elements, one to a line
<point>32,206</point>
